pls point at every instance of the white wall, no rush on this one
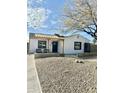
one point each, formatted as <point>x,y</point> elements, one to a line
<point>60,46</point>
<point>34,45</point>
<point>69,44</point>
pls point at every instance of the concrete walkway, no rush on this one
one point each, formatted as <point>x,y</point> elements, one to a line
<point>33,84</point>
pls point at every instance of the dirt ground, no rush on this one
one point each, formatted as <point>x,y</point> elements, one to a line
<point>64,75</point>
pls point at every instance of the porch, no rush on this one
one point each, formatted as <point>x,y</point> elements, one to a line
<point>46,44</point>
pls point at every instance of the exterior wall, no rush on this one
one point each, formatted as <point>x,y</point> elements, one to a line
<point>69,44</point>
<point>61,46</point>
<point>34,45</point>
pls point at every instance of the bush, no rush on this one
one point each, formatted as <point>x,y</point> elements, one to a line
<point>87,55</point>
<point>61,55</point>
<point>93,48</point>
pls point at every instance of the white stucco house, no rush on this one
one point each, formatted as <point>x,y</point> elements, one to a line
<point>57,44</point>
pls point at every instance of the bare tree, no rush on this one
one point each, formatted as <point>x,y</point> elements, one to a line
<point>81,15</point>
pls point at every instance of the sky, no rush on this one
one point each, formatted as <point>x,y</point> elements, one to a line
<point>44,16</point>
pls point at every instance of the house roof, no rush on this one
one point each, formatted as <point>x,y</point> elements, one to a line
<point>55,36</point>
<point>77,35</point>
<point>39,35</point>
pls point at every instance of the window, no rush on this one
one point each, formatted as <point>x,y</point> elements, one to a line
<point>41,44</point>
<point>87,47</point>
<point>77,45</point>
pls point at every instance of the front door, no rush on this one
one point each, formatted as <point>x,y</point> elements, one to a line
<point>54,46</point>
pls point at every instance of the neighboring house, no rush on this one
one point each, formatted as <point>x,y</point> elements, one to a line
<point>57,44</point>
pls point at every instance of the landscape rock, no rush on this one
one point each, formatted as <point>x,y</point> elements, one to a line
<point>64,75</point>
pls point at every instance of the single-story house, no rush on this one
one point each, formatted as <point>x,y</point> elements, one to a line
<point>73,44</point>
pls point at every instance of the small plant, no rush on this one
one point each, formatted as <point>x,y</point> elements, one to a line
<point>81,62</point>
<point>87,55</point>
<point>77,61</point>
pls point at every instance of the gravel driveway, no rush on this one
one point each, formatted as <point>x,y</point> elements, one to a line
<point>63,75</point>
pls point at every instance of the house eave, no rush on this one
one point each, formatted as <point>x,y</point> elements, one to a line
<point>38,36</point>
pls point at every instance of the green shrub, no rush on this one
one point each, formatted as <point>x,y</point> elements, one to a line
<point>93,48</point>
<point>61,55</point>
<point>87,55</point>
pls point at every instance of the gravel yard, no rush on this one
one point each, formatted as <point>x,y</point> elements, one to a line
<point>64,75</point>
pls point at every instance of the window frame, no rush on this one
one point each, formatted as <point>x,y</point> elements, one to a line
<point>41,46</point>
<point>80,43</point>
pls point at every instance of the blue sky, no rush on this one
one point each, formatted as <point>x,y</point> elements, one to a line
<point>51,10</point>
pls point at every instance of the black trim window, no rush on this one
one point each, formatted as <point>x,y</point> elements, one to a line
<point>77,45</point>
<point>41,44</point>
